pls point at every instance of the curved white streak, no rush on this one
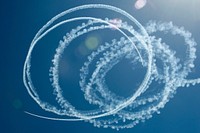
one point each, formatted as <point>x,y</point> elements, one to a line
<point>51,118</point>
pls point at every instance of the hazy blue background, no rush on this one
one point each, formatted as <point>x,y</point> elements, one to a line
<point>19,22</point>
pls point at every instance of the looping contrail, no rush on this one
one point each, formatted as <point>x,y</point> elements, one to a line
<point>139,47</point>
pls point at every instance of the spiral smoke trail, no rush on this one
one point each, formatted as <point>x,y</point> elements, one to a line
<point>139,46</point>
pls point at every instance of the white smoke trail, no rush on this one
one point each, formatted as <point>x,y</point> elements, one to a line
<point>140,48</point>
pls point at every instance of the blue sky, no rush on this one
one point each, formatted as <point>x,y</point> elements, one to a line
<point>20,20</point>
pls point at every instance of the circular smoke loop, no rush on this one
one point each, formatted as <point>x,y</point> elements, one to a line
<point>139,46</point>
